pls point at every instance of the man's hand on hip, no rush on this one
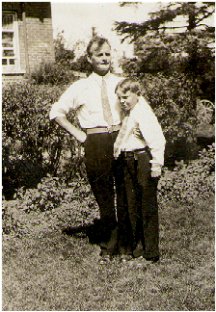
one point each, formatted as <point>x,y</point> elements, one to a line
<point>81,136</point>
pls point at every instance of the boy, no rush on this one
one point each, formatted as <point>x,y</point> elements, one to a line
<point>140,145</point>
<point>98,113</point>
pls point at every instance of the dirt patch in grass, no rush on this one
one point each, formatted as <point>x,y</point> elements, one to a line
<point>52,270</point>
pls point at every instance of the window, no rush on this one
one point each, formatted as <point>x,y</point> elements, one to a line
<point>10,51</point>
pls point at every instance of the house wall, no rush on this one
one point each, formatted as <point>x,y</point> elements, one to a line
<point>35,33</point>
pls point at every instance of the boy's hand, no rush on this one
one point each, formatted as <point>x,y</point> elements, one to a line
<point>155,174</point>
<point>137,133</point>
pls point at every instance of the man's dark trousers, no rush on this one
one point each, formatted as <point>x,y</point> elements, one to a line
<point>103,173</point>
<point>141,192</point>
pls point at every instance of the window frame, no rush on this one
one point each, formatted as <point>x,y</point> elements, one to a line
<point>11,68</point>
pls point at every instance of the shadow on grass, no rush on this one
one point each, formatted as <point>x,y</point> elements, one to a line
<point>94,232</point>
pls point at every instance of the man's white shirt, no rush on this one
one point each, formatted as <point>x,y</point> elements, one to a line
<point>84,96</point>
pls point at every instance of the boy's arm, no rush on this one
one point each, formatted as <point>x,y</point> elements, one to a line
<point>154,138</point>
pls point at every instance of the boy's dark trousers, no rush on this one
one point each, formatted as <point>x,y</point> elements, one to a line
<point>103,174</point>
<point>142,210</point>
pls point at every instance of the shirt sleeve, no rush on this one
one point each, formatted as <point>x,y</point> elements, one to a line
<point>70,99</point>
<point>152,134</point>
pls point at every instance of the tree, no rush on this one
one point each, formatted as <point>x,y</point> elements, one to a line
<point>63,56</point>
<point>162,46</point>
<point>175,64</point>
<point>195,13</point>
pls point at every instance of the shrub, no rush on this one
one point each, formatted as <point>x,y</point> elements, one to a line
<point>31,143</point>
<point>77,203</point>
<point>173,101</point>
<point>25,119</point>
<point>51,192</point>
<point>13,220</point>
<point>48,195</point>
<point>186,182</point>
<point>53,74</point>
<point>52,201</point>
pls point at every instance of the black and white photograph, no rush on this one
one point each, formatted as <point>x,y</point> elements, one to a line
<point>108,156</point>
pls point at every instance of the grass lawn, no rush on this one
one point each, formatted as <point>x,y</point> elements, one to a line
<point>49,270</point>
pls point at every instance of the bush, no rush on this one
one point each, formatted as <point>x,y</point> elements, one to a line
<point>187,182</point>
<point>174,104</point>
<point>31,143</point>
<point>53,74</point>
<point>173,101</point>
<point>52,200</point>
<point>26,127</point>
<point>77,204</point>
<point>48,195</point>
<point>13,220</point>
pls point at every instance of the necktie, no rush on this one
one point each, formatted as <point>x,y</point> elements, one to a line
<point>122,136</point>
<point>105,103</point>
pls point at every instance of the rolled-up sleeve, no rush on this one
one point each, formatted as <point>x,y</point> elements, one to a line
<point>153,134</point>
<point>68,100</point>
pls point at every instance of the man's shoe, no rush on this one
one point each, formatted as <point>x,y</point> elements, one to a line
<point>113,242</point>
<point>153,259</point>
<point>138,251</point>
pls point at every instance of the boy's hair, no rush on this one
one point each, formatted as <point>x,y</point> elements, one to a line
<point>129,84</point>
<point>96,40</point>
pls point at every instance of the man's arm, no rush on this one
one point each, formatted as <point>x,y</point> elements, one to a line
<point>71,129</point>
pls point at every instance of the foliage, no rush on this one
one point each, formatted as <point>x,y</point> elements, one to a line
<point>48,195</point>
<point>25,115</point>
<point>82,65</point>
<point>195,17</point>
<point>187,182</point>
<point>63,56</point>
<point>32,145</point>
<point>159,48</point>
<point>13,219</point>
<point>52,192</point>
<point>52,73</point>
<point>184,184</point>
<point>172,101</point>
<point>60,72</point>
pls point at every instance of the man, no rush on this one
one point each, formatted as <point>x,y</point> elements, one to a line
<point>98,113</point>
<point>142,158</point>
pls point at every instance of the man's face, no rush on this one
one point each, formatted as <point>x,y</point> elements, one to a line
<point>127,99</point>
<point>100,58</point>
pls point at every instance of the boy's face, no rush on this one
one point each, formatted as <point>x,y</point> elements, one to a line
<point>100,58</point>
<point>127,99</point>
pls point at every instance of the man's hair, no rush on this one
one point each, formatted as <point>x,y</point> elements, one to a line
<point>129,84</point>
<point>96,40</point>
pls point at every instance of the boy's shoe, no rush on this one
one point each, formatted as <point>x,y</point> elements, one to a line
<point>125,258</point>
<point>153,259</point>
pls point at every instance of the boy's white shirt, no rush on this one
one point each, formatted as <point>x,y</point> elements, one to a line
<point>142,117</point>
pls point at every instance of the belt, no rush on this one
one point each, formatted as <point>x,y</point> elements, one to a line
<point>108,129</point>
<point>134,153</point>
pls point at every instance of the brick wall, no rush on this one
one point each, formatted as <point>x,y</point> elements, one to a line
<point>39,33</point>
<point>35,33</point>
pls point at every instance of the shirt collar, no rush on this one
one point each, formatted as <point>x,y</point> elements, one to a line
<point>98,78</point>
